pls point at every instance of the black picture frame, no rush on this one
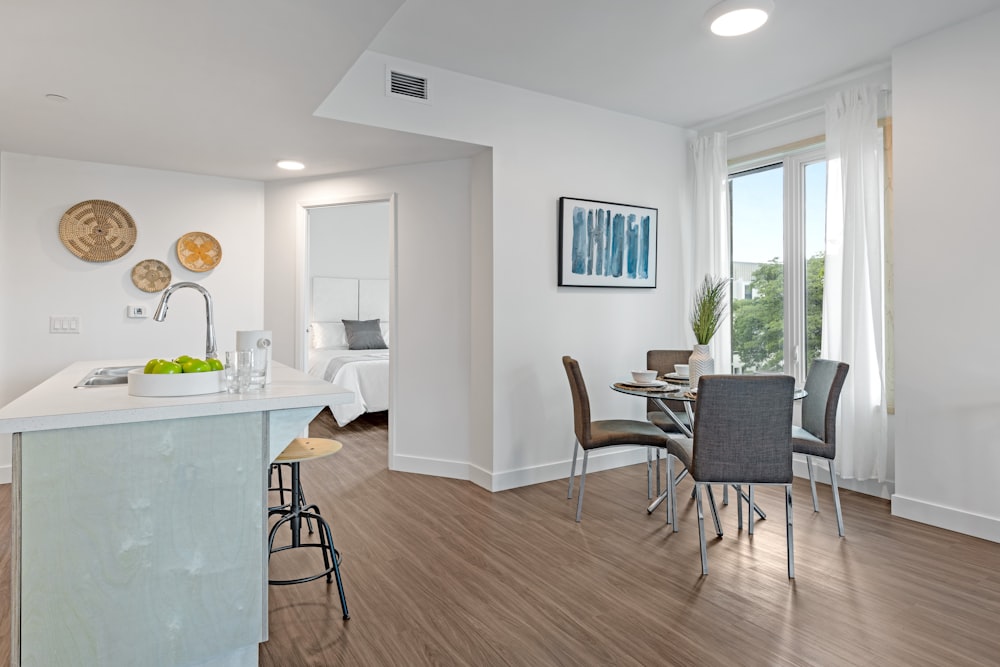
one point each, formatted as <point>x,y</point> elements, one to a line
<point>605,244</point>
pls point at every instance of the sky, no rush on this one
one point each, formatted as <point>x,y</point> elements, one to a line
<point>757,213</point>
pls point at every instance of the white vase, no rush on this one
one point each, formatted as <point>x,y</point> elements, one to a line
<point>700,363</point>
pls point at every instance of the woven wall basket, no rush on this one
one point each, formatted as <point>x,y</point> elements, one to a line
<point>97,230</point>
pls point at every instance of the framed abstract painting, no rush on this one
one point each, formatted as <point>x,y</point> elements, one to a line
<point>602,244</point>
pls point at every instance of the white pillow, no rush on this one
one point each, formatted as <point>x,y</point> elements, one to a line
<point>384,326</point>
<point>327,336</point>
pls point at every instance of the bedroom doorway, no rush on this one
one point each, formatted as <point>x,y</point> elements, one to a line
<point>346,257</point>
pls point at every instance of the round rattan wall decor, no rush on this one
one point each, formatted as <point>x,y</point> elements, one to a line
<point>97,230</point>
<point>151,275</point>
<point>198,251</point>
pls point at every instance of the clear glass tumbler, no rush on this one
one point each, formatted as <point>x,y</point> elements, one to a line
<point>238,367</point>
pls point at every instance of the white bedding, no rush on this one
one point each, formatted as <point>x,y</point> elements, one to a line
<point>365,372</point>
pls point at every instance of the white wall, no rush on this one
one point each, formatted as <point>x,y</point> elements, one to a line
<point>39,277</point>
<point>544,148</point>
<point>349,241</point>
<point>430,343</point>
<point>945,101</point>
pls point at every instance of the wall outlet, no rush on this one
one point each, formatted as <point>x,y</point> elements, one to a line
<point>64,324</point>
<point>136,311</point>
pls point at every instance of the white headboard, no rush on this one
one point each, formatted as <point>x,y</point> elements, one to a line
<point>335,299</point>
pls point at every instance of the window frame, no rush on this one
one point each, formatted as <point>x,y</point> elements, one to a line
<point>793,161</point>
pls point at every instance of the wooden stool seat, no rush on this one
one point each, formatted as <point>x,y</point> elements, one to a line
<point>293,512</point>
<point>306,449</point>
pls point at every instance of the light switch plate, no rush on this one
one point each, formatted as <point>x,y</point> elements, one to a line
<point>64,324</point>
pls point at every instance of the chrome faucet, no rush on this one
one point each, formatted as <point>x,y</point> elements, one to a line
<point>161,314</point>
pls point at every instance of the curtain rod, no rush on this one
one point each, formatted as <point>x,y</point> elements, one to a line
<point>884,90</point>
<point>777,122</point>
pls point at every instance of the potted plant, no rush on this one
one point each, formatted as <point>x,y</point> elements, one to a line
<point>707,313</point>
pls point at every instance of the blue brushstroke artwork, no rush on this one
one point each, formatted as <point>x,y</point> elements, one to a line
<point>614,244</point>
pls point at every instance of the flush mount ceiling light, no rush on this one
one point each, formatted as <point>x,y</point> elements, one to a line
<point>730,18</point>
<point>290,165</point>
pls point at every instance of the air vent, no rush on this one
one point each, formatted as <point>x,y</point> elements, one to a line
<point>407,86</point>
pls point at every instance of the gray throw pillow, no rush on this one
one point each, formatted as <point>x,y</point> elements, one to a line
<point>364,335</point>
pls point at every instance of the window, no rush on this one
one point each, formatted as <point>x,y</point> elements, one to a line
<point>778,220</point>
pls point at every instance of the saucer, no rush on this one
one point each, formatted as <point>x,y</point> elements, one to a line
<point>654,383</point>
<point>676,376</point>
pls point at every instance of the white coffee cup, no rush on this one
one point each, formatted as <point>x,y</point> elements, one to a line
<point>645,376</point>
<point>681,369</point>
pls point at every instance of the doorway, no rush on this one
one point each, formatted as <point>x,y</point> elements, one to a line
<point>348,240</point>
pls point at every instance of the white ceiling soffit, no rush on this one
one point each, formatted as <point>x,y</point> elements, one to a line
<point>654,58</point>
<point>225,87</point>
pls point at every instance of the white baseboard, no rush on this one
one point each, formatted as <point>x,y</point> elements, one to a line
<point>435,467</point>
<point>868,487</point>
<point>603,460</point>
<point>597,461</point>
<point>949,518</point>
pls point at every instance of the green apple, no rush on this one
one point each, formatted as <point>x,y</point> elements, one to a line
<point>195,366</point>
<point>215,364</point>
<point>183,359</point>
<point>167,367</point>
<point>150,365</point>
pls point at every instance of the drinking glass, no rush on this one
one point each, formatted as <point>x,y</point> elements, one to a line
<point>258,369</point>
<point>238,367</point>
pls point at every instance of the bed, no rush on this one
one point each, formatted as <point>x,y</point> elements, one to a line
<point>363,371</point>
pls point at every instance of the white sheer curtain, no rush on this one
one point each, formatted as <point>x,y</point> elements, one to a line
<point>853,286</point>
<point>705,241</point>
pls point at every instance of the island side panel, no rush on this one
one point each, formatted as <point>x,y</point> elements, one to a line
<point>140,544</point>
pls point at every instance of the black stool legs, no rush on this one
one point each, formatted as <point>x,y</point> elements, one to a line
<point>293,514</point>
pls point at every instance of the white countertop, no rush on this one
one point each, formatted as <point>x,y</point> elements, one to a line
<point>55,403</point>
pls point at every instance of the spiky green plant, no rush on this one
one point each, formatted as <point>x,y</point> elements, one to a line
<point>709,308</point>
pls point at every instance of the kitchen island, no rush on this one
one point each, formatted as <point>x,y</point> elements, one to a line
<point>139,524</point>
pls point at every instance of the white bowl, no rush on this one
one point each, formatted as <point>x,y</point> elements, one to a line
<point>179,384</point>
<point>681,369</point>
<point>645,376</point>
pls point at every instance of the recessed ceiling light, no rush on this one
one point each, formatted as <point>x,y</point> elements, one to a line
<point>290,165</point>
<point>738,17</point>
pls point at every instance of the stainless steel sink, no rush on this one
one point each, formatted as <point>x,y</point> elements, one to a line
<point>103,377</point>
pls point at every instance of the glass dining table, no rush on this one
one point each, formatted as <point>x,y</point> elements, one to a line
<point>667,389</point>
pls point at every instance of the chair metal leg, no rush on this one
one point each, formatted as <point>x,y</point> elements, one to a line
<point>725,494</point>
<point>649,473</point>
<point>836,497</point>
<point>572,470</point>
<point>583,478</point>
<point>715,512</point>
<point>750,513</point>
<point>788,534</point>
<point>671,494</point>
<point>701,528</point>
<point>658,489</point>
<point>812,482</point>
<point>739,507</point>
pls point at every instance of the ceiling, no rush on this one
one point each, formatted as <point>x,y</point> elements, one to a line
<point>228,87</point>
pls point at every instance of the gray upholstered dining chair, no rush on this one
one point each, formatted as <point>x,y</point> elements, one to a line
<point>817,437</point>
<point>592,434</point>
<point>742,435</point>
<point>663,361</point>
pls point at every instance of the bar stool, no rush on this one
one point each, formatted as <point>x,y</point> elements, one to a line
<point>293,512</point>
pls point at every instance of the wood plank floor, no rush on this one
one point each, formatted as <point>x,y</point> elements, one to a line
<point>441,572</point>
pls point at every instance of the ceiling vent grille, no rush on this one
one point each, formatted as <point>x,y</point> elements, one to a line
<point>406,86</point>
